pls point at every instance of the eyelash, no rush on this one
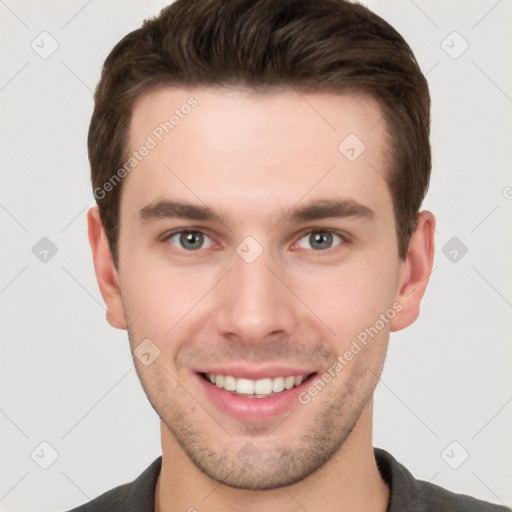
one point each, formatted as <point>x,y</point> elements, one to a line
<point>344,238</point>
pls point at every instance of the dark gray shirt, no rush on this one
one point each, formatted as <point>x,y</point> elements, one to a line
<point>407,494</point>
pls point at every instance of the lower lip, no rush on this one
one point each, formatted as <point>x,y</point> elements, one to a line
<point>253,409</point>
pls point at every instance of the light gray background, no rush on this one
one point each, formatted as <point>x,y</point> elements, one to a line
<point>67,377</point>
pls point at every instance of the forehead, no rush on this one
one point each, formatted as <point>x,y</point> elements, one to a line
<point>246,148</point>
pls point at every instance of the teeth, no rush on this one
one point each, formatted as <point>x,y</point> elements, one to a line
<point>277,384</point>
<point>229,383</point>
<point>245,386</point>
<point>263,387</point>
<point>255,388</point>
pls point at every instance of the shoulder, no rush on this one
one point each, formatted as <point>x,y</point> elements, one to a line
<point>440,499</point>
<point>136,496</point>
<point>410,495</point>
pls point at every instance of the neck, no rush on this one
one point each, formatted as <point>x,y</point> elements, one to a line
<point>348,482</point>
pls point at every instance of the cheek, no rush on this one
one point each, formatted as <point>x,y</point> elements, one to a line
<point>164,299</point>
<point>351,297</point>
<point>346,297</point>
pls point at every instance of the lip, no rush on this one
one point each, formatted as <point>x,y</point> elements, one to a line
<point>252,409</point>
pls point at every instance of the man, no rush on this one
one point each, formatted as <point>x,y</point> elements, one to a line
<point>259,167</point>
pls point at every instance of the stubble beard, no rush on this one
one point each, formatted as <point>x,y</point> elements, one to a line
<point>251,461</point>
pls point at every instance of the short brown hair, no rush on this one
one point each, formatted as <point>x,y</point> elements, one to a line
<point>310,45</point>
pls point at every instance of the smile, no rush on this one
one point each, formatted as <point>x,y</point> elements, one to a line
<point>254,393</point>
<point>262,388</point>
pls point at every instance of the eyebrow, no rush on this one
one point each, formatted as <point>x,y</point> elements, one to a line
<point>317,210</point>
<point>328,208</point>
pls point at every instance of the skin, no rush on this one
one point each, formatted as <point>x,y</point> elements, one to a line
<point>252,158</point>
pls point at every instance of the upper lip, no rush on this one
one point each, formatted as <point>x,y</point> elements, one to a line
<point>256,373</point>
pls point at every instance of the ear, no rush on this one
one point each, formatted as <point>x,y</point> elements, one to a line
<point>106,273</point>
<point>415,271</point>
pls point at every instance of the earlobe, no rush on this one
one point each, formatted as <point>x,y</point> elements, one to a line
<point>106,273</point>
<point>416,271</point>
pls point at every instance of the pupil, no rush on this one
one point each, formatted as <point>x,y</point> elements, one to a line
<point>191,240</point>
<point>318,238</point>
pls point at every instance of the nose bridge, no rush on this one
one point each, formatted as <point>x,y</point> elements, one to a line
<point>254,302</point>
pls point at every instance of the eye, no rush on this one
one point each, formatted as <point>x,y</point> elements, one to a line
<point>189,240</point>
<point>319,240</point>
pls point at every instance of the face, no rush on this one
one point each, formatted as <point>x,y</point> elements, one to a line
<point>254,251</point>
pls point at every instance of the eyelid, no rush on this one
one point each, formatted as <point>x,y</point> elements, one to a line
<point>175,231</point>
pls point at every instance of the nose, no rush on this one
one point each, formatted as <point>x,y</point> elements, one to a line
<point>255,301</point>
